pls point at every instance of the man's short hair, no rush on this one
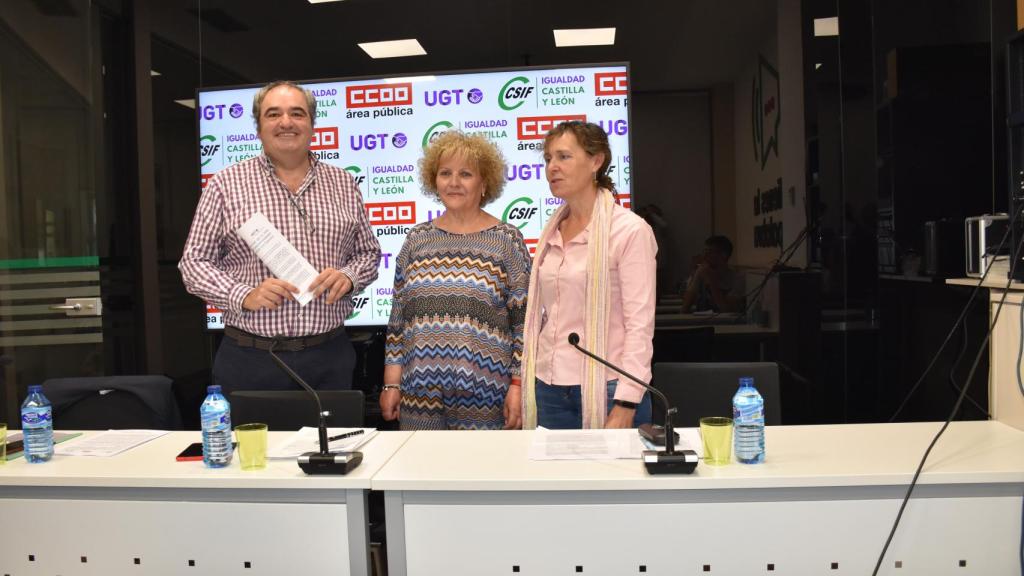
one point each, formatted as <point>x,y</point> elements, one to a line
<point>257,100</point>
<point>720,243</point>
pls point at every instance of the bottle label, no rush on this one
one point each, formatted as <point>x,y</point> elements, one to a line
<point>35,419</point>
<point>217,422</point>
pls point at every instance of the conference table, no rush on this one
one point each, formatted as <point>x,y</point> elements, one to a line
<point>472,503</point>
<point>143,512</point>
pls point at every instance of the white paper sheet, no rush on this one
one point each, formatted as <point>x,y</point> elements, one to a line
<point>278,254</point>
<point>109,443</point>
<point>307,439</point>
<point>585,444</point>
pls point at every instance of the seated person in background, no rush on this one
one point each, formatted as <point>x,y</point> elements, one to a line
<point>714,285</point>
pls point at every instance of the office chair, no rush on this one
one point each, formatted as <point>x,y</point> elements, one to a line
<point>683,344</point>
<point>113,402</point>
<point>293,409</point>
<point>699,389</point>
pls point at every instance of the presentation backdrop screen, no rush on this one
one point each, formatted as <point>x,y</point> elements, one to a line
<point>376,129</point>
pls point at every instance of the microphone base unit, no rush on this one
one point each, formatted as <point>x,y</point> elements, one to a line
<point>679,462</point>
<point>331,463</point>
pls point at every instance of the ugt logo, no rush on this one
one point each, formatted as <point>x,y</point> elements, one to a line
<point>765,111</point>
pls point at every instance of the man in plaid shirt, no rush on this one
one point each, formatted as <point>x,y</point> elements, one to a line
<point>319,209</point>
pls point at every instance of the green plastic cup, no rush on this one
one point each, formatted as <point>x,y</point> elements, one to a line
<point>252,446</point>
<point>716,432</point>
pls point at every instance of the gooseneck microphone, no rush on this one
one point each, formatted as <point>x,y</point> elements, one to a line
<point>670,460</point>
<point>324,461</point>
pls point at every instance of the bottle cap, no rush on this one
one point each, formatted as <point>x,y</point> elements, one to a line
<point>213,389</point>
<point>35,388</point>
<point>746,381</point>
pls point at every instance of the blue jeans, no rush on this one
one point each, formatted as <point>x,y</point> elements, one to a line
<point>560,407</point>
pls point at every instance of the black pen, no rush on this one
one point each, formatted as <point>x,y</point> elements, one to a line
<point>345,435</point>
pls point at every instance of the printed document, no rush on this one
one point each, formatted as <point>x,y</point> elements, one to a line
<point>585,444</point>
<point>284,261</point>
<point>109,443</point>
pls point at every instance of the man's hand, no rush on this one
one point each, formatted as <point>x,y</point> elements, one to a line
<point>620,417</point>
<point>334,282</point>
<point>513,410</point>
<point>269,295</point>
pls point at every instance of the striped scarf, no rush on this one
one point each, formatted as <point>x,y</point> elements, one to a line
<point>594,390</point>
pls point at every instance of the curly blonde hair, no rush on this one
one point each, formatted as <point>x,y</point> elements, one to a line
<point>477,149</point>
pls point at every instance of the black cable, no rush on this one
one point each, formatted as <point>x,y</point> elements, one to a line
<point>949,335</point>
<point>1020,356</point>
<point>956,364</point>
<point>956,407</point>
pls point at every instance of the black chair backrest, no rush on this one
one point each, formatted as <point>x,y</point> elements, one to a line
<point>113,402</point>
<point>699,389</point>
<point>293,409</point>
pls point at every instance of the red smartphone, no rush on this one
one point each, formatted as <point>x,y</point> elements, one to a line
<point>195,452</point>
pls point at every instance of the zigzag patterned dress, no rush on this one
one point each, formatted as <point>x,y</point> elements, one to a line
<point>456,327</point>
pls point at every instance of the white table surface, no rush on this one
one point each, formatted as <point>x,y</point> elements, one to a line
<point>797,456</point>
<point>153,465</point>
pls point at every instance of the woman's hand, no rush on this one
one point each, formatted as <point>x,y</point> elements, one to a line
<point>620,417</point>
<point>389,402</point>
<point>513,408</point>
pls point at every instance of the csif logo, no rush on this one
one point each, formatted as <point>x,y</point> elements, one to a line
<point>359,301</point>
<point>514,93</point>
<point>325,138</point>
<point>208,148</point>
<point>436,130</point>
<point>357,174</point>
<point>519,212</point>
<point>535,127</point>
<point>391,213</point>
<point>373,95</point>
<point>611,84</point>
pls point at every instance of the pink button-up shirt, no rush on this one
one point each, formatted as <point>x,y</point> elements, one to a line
<point>563,274</point>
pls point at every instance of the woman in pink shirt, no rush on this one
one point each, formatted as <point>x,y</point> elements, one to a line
<point>593,275</point>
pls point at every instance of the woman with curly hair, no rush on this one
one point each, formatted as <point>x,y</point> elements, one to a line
<point>455,336</point>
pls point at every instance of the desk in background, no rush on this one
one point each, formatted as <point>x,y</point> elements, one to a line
<point>472,503</point>
<point>142,512</point>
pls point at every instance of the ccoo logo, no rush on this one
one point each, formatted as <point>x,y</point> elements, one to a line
<point>514,93</point>
<point>389,213</point>
<point>610,84</point>
<point>535,127</point>
<point>325,138</point>
<point>372,95</point>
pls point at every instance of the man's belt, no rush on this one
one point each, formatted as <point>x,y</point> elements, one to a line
<point>247,340</point>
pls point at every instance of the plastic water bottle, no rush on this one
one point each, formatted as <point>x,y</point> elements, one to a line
<point>37,426</point>
<point>215,415</point>
<point>748,422</point>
